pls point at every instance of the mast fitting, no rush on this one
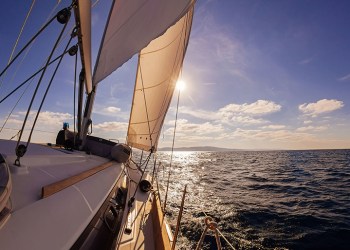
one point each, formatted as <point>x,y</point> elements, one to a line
<point>63,16</point>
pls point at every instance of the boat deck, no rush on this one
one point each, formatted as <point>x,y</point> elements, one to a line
<point>57,221</point>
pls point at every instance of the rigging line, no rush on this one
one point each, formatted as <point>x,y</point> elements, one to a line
<point>144,97</point>
<point>75,87</point>
<point>96,2</point>
<point>19,35</point>
<point>32,76</point>
<point>154,167</point>
<point>47,90</point>
<point>177,108</point>
<point>225,239</point>
<point>39,82</point>
<point>143,172</point>
<point>172,150</point>
<point>26,46</point>
<point>15,135</point>
<point>19,99</point>
<point>29,48</point>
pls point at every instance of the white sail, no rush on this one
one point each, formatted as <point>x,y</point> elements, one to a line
<point>159,67</point>
<point>84,15</point>
<point>132,25</point>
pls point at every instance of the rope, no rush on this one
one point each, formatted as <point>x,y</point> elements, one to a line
<point>223,236</point>
<point>131,200</point>
<point>15,135</point>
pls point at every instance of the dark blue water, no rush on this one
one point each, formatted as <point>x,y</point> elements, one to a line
<point>262,200</point>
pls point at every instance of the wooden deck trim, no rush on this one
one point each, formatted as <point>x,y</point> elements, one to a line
<point>62,184</point>
<point>161,237</point>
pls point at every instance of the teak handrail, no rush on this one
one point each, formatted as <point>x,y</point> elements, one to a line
<point>62,184</point>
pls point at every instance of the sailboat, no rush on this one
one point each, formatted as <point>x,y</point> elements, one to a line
<point>88,192</point>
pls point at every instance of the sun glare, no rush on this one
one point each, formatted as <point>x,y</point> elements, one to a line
<point>180,85</point>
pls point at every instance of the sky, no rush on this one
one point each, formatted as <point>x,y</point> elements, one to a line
<point>259,75</point>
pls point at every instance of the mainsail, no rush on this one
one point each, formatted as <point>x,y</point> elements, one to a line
<point>158,70</point>
<point>132,25</point>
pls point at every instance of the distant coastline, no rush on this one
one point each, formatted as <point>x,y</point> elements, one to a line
<point>217,149</point>
<point>203,148</point>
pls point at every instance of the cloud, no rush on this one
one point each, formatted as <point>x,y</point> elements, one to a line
<point>45,117</point>
<point>199,113</point>
<point>320,107</point>
<point>306,61</point>
<point>112,109</point>
<point>260,107</point>
<point>233,114</point>
<point>247,120</point>
<point>344,78</point>
<point>185,127</point>
<point>274,126</point>
<point>312,128</point>
<point>112,126</point>
<point>307,122</point>
<point>271,135</point>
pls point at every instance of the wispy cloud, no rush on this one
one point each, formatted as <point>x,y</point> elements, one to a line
<point>199,113</point>
<point>226,52</point>
<point>186,127</point>
<point>307,122</point>
<point>312,128</point>
<point>46,117</point>
<point>274,126</point>
<point>320,107</point>
<point>306,61</point>
<point>110,111</point>
<point>247,120</point>
<point>344,78</point>
<point>271,135</point>
<point>112,126</point>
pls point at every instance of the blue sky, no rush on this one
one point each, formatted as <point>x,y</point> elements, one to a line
<point>259,74</point>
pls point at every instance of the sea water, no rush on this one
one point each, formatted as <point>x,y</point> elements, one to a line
<point>261,200</point>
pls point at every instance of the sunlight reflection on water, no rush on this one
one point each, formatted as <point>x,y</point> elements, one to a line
<point>261,200</point>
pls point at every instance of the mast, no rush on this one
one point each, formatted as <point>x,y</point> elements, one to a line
<point>91,97</point>
<point>82,12</point>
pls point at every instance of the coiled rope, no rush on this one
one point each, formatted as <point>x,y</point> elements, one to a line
<point>210,224</point>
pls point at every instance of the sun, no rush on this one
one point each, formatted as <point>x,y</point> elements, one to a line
<point>180,85</point>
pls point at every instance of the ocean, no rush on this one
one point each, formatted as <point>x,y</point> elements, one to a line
<point>261,199</point>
